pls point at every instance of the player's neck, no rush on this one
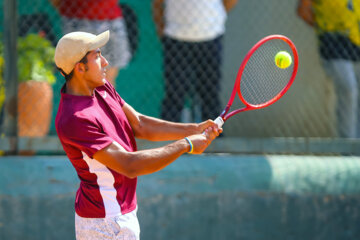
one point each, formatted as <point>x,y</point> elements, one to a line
<point>78,87</point>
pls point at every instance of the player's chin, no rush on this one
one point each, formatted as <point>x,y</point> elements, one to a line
<point>100,82</point>
<point>102,76</point>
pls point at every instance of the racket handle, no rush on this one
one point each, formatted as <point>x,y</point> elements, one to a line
<point>219,121</point>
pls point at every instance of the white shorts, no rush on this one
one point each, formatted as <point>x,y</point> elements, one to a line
<point>117,50</point>
<point>124,227</point>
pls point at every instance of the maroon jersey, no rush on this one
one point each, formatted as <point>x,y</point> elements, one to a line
<point>85,125</point>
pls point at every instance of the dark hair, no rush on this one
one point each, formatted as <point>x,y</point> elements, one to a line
<point>84,60</point>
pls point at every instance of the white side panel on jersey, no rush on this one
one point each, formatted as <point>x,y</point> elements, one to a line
<point>106,181</point>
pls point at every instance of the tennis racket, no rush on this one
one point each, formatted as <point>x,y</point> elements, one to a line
<point>260,82</point>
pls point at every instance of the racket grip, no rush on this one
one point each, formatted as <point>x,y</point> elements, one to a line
<point>219,121</point>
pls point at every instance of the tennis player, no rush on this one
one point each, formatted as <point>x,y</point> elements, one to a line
<point>97,129</point>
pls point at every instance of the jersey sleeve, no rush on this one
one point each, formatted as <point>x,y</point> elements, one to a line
<point>85,135</point>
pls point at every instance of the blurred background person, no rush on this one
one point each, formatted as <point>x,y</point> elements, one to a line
<point>192,35</point>
<point>337,26</point>
<point>96,16</point>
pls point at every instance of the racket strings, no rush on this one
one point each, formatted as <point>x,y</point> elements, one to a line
<point>262,79</point>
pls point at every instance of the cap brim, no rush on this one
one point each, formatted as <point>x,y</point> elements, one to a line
<point>100,40</point>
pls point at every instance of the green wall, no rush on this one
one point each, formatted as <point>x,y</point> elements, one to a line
<point>197,197</point>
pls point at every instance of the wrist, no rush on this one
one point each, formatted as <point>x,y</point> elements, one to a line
<point>190,144</point>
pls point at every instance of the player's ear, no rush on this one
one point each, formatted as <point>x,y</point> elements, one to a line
<point>80,67</point>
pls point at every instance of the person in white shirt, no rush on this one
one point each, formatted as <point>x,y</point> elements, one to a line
<point>192,34</point>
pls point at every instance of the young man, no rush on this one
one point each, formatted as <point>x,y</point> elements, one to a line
<point>97,129</point>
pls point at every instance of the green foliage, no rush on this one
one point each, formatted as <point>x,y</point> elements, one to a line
<point>35,59</point>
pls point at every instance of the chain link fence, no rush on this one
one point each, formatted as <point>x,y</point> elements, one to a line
<point>183,60</point>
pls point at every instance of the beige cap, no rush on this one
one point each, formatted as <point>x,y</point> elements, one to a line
<point>72,47</point>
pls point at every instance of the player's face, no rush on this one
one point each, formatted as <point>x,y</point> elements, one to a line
<point>96,72</point>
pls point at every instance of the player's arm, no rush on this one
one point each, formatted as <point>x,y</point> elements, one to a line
<point>229,4</point>
<point>305,11</point>
<point>158,15</point>
<point>133,164</point>
<point>154,129</point>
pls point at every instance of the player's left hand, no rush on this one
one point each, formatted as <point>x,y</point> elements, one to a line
<point>212,132</point>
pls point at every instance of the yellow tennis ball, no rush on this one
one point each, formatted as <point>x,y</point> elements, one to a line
<point>283,59</point>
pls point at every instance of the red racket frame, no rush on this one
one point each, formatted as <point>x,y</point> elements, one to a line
<point>236,89</point>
